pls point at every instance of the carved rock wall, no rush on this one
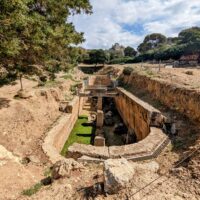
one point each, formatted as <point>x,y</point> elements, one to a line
<point>184,100</point>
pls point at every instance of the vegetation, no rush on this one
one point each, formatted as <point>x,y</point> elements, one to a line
<point>33,190</point>
<point>152,41</point>
<point>130,52</point>
<point>73,88</point>
<point>81,133</point>
<point>154,47</point>
<point>38,32</point>
<point>98,56</point>
<point>127,71</point>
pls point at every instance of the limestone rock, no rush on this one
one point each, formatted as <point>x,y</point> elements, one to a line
<point>117,174</point>
<point>64,167</point>
<point>24,94</point>
<point>78,150</point>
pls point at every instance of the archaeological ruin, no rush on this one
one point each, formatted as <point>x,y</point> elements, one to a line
<point>125,126</point>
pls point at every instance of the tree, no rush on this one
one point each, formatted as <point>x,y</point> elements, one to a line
<point>98,56</point>
<point>152,41</point>
<point>130,52</point>
<point>191,39</point>
<point>190,35</point>
<point>116,51</point>
<point>34,32</point>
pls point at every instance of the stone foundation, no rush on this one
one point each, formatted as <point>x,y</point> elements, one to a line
<point>100,119</point>
<point>58,135</point>
<point>148,148</point>
<point>99,141</point>
<point>137,115</point>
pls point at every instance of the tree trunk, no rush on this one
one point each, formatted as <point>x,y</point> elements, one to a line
<point>21,85</point>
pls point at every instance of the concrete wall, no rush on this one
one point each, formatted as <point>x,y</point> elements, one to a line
<point>137,114</point>
<point>184,100</point>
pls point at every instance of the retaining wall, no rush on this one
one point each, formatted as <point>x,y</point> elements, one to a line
<point>148,148</point>
<point>186,101</point>
<point>102,80</point>
<point>58,135</point>
<point>137,114</point>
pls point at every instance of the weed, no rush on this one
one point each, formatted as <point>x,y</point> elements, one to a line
<point>47,172</point>
<point>32,190</point>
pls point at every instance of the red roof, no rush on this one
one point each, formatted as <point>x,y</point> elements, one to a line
<point>192,57</point>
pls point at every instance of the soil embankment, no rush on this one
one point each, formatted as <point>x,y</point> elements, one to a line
<point>23,124</point>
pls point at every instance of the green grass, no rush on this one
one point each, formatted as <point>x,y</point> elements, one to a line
<point>80,134</point>
<point>32,190</point>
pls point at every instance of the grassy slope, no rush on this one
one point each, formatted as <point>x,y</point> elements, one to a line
<point>84,137</point>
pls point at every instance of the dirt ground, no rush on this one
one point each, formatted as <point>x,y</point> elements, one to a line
<point>184,77</point>
<point>23,124</point>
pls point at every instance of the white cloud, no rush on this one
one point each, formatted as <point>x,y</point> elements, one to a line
<point>110,19</point>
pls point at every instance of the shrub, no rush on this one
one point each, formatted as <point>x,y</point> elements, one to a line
<point>121,60</point>
<point>32,190</point>
<point>52,76</point>
<point>127,71</point>
<point>43,78</point>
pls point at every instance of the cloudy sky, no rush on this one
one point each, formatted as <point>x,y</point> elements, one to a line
<point>128,21</point>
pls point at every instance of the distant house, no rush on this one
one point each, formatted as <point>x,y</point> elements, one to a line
<point>191,60</point>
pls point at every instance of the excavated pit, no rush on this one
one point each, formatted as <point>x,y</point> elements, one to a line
<point>139,134</point>
<point>125,125</point>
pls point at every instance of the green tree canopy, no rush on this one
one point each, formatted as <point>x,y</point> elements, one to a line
<point>35,31</point>
<point>152,41</point>
<point>98,56</point>
<point>190,35</point>
<point>130,52</point>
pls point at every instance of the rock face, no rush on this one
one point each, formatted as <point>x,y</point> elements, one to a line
<point>117,173</point>
<point>64,167</point>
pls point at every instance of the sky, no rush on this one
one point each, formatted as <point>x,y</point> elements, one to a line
<point>128,21</point>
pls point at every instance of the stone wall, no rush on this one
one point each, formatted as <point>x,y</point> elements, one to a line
<point>58,135</point>
<point>137,114</point>
<point>184,100</point>
<point>67,127</point>
<point>145,149</point>
<point>103,80</point>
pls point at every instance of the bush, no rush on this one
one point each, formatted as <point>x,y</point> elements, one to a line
<point>33,190</point>
<point>121,60</point>
<point>43,78</point>
<point>127,71</point>
<point>52,76</point>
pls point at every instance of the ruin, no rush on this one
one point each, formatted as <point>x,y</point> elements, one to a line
<point>143,139</point>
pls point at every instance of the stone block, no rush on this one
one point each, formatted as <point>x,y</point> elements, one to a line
<point>99,141</point>
<point>100,118</point>
<point>117,174</point>
<point>100,103</point>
